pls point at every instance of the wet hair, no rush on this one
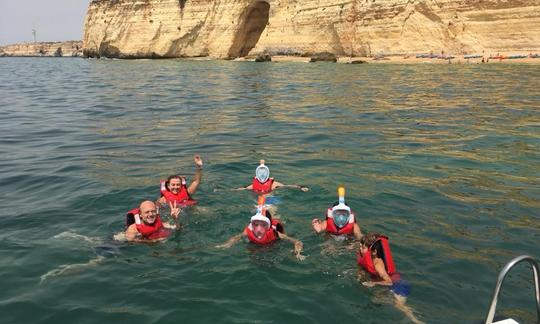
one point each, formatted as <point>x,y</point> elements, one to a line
<point>174,176</point>
<point>371,240</point>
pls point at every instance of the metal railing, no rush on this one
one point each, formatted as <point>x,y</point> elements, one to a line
<point>502,276</point>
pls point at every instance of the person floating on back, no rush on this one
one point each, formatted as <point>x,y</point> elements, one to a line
<point>144,224</point>
<point>375,257</point>
<point>263,184</point>
<point>264,230</point>
<point>175,189</point>
<point>340,220</point>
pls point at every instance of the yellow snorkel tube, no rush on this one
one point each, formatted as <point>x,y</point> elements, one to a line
<point>341,194</point>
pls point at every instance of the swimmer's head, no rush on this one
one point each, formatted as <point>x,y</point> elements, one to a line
<point>148,212</point>
<point>341,213</point>
<point>367,242</point>
<point>174,183</point>
<point>262,173</point>
<point>260,224</point>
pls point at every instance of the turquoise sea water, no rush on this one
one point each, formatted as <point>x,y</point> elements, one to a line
<point>443,159</point>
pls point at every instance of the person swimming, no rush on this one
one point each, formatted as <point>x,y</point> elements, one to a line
<point>144,224</point>
<point>340,220</point>
<point>375,257</point>
<point>264,230</point>
<point>263,184</point>
<point>175,188</point>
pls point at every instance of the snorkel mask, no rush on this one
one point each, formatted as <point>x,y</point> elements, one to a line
<point>262,173</point>
<point>341,212</point>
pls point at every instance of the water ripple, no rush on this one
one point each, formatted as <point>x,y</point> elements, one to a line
<point>443,159</point>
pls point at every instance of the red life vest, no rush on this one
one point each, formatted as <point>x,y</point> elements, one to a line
<point>262,188</point>
<point>151,232</point>
<point>366,262</point>
<point>333,229</point>
<point>269,237</point>
<point>182,197</point>
<point>130,216</point>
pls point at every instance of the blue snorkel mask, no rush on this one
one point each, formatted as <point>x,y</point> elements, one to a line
<point>341,216</point>
<point>262,173</point>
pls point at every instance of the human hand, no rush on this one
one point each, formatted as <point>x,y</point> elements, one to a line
<point>175,210</point>
<point>298,246</point>
<point>198,161</point>
<point>304,188</point>
<point>368,283</point>
<point>316,224</point>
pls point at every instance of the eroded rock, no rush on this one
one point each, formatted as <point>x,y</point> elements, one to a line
<point>230,29</point>
<point>324,57</point>
<point>263,58</point>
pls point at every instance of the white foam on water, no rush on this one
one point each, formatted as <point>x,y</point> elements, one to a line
<point>68,235</point>
<point>70,269</point>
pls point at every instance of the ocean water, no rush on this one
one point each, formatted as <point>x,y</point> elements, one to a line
<point>444,159</point>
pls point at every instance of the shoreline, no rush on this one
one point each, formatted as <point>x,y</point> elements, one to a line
<point>500,57</point>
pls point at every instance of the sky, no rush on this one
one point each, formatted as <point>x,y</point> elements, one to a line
<point>54,20</point>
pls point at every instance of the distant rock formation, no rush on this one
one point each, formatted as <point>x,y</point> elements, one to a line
<point>323,57</point>
<point>69,48</point>
<point>263,57</point>
<point>237,28</point>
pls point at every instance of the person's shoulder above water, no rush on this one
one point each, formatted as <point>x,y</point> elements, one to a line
<point>175,188</point>
<point>144,224</point>
<point>339,219</point>
<point>264,230</point>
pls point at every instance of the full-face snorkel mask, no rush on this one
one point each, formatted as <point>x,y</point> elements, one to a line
<point>341,212</point>
<point>262,173</point>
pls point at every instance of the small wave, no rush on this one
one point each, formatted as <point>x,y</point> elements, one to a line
<point>70,269</point>
<point>74,236</point>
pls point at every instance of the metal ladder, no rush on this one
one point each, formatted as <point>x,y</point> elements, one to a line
<point>502,276</point>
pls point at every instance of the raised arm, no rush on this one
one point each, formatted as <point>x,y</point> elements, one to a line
<point>298,245</point>
<point>277,185</point>
<point>175,214</point>
<point>198,175</point>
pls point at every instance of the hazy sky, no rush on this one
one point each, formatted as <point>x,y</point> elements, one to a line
<point>54,20</point>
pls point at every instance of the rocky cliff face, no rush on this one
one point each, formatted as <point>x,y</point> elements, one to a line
<point>69,48</point>
<point>232,28</point>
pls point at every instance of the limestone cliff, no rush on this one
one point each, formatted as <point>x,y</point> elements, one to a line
<point>232,28</point>
<point>69,48</point>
